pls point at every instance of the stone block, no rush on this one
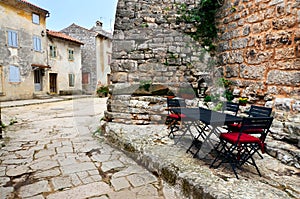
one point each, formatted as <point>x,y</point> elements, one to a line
<point>119,77</point>
<point>121,45</point>
<point>279,77</point>
<point>252,72</point>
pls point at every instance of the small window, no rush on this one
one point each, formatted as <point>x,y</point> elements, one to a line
<point>14,74</point>
<point>86,78</point>
<point>71,80</point>
<point>35,18</point>
<point>71,54</point>
<point>52,51</point>
<point>12,38</point>
<point>37,44</point>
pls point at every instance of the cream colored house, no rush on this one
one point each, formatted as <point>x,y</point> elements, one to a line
<point>65,61</point>
<point>33,61</point>
<point>96,55</point>
<point>23,50</point>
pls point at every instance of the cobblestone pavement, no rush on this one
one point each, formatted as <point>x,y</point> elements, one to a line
<point>50,152</point>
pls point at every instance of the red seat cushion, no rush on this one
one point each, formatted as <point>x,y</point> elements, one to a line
<point>245,138</point>
<point>177,116</point>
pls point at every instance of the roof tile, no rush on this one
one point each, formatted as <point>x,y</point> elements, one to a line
<point>62,36</point>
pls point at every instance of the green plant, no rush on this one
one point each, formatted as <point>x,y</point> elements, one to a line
<point>145,84</point>
<point>243,100</point>
<point>218,107</point>
<point>203,19</point>
<point>102,91</point>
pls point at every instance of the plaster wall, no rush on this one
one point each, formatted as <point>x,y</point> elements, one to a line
<point>63,67</point>
<point>19,19</point>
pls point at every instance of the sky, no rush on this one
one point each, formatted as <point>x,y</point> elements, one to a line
<point>84,13</point>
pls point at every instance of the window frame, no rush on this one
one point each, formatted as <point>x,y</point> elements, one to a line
<point>35,18</point>
<point>12,38</point>
<point>88,78</point>
<point>14,70</point>
<point>37,43</point>
<point>53,51</point>
<point>71,80</point>
<point>70,54</point>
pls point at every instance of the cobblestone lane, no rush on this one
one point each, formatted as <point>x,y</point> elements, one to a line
<point>50,152</point>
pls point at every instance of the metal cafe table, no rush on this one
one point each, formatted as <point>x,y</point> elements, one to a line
<point>206,123</point>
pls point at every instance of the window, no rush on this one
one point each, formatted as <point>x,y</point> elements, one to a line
<point>35,18</point>
<point>12,38</point>
<point>71,54</point>
<point>14,74</point>
<point>86,78</point>
<point>52,51</point>
<point>71,80</point>
<point>37,44</point>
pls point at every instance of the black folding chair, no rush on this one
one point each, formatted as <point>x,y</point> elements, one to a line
<point>255,111</point>
<point>238,148</point>
<point>173,119</point>
<point>231,108</point>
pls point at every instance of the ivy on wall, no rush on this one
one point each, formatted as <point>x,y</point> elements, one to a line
<point>202,17</point>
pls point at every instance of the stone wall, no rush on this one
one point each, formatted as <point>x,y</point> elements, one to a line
<point>258,48</point>
<point>149,47</point>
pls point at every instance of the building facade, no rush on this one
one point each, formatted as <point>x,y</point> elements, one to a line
<point>96,55</point>
<point>65,61</point>
<point>28,67</point>
<point>23,54</point>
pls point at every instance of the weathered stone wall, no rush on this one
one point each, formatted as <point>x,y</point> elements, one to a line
<point>149,47</point>
<point>259,47</point>
<point>259,51</point>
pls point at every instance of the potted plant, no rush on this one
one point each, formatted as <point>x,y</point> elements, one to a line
<point>243,101</point>
<point>102,91</point>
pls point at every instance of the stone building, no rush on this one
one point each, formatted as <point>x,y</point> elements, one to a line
<point>33,61</point>
<point>23,54</point>
<point>96,55</point>
<point>65,61</point>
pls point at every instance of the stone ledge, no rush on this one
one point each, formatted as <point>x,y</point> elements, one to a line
<point>150,146</point>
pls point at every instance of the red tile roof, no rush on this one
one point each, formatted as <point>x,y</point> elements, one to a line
<point>62,36</point>
<point>32,5</point>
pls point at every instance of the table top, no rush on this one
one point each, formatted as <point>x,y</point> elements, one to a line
<point>209,117</point>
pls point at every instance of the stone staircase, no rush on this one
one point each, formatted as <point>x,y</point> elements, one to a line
<point>41,95</point>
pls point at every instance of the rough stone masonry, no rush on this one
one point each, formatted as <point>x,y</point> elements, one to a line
<point>258,50</point>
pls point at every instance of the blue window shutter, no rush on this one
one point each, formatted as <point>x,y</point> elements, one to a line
<point>37,43</point>
<point>14,74</point>
<point>12,38</point>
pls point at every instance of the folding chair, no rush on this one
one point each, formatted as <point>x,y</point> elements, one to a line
<point>230,107</point>
<point>238,148</point>
<point>173,119</point>
<point>255,111</point>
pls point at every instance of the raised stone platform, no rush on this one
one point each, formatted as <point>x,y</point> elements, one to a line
<point>150,146</point>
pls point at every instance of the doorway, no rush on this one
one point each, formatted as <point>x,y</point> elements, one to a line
<point>53,83</point>
<point>38,79</point>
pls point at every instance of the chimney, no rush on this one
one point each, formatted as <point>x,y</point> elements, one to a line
<point>99,24</point>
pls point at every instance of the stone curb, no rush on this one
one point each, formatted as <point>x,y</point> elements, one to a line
<point>18,103</point>
<point>149,146</point>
